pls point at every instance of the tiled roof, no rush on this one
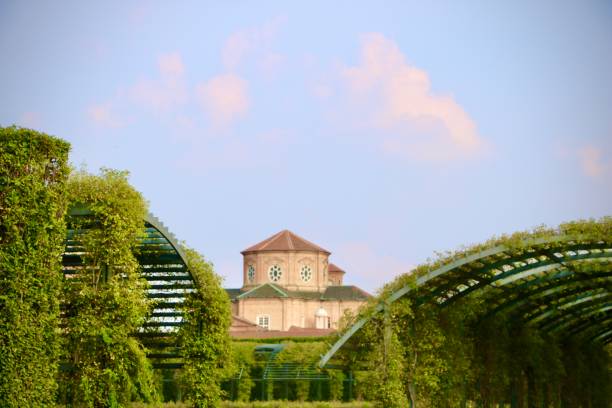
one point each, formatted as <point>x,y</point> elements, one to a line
<point>242,322</point>
<point>334,268</point>
<point>345,293</point>
<point>304,294</point>
<point>285,241</point>
<point>233,293</point>
<point>267,290</point>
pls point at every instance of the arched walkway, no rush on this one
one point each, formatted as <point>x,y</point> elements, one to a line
<point>163,265</point>
<point>558,281</point>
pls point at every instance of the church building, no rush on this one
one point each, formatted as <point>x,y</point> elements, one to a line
<point>290,286</point>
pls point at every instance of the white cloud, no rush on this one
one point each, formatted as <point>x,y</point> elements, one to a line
<point>224,98</point>
<point>321,91</point>
<point>171,65</point>
<point>393,97</point>
<point>253,43</point>
<point>103,115</point>
<point>30,120</point>
<point>165,92</point>
<point>591,160</point>
<point>365,267</point>
<point>234,153</point>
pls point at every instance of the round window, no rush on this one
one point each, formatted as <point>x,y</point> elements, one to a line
<point>251,273</point>
<point>306,273</point>
<point>275,273</point>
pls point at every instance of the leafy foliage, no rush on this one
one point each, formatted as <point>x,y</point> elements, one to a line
<point>204,337</point>
<point>33,173</point>
<point>447,355</point>
<point>105,298</point>
<point>243,361</point>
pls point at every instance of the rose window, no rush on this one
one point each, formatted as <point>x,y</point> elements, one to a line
<point>306,273</point>
<point>275,273</point>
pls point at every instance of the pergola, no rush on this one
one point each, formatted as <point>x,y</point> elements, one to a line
<point>559,283</point>
<point>163,265</point>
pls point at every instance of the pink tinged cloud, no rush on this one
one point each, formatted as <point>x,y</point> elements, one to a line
<point>166,92</point>
<point>253,43</point>
<point>224,98</point>
<point>400,100</point>
<point>236,47</point>
<point>103,115</point>
<point>365,266</point>
<point>171,64</point>
<point>591,160</point>
<point>30,120</point>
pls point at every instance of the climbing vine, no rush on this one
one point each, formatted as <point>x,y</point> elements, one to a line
<point>33,171</point>
<point>450,355</point>
<point>204,337</point>
<point>104,297</point>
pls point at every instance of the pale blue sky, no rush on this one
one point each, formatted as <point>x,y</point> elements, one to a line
<point>380,131</point>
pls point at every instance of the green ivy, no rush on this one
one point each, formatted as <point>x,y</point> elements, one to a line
<point>105,299</point>
<point>243,360</point>
<point>204,336</point>
<point>33,173</point>
<point>442,357</point>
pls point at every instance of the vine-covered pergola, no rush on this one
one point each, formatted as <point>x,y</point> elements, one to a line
<point>163,264</point>
<point>556,281</point>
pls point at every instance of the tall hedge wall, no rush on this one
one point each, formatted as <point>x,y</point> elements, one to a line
<point>33,172</point>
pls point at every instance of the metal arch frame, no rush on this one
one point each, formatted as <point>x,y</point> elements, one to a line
<point>528,244</point>
<point>164,265</point>
<point>571,321</point>
<point>507,268</point>
<point>589,324</point>
<point>562,278</point>
<point>155,223</point>
<point>526,270</point>
<point>577,299</point>
<point>170,237</point>
<point>536,296</point>
<point>166,292</point>
<point>605,334</point>
<point>82,210</point>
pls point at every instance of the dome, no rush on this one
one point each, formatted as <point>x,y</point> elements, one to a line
<point>285,241</point>
<point>321,313</point>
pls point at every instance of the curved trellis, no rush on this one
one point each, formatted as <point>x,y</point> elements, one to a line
<point>559,283</point>
<point>163,264</point>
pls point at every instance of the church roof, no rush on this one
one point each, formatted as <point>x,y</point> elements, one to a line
<point>269,290</point>
<point>285,241</point>
<point>238,321</point>
<point>345,293</point>
<point>335,268</point>
<point>233,293</point>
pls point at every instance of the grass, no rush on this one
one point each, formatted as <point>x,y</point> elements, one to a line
<point>267,404</point>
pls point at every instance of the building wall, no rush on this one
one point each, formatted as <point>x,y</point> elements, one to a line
<point>251,309</point>
<point>335,278</point>
<point>287,312</point>
<point>291,263</point>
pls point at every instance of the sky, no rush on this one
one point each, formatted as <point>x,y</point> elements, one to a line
<point>385,132</point>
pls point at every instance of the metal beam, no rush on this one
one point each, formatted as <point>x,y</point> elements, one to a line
<point>480,257</point>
